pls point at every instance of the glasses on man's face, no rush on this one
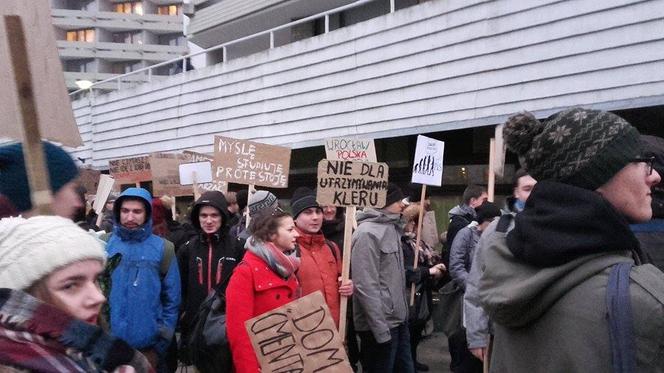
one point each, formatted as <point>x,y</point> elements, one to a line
<point>649,161</point>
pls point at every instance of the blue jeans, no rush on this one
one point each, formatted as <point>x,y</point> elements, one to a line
<point>392,356</point>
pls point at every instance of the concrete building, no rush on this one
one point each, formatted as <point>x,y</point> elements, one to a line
<point>100,39</point>
<point>388,70</point>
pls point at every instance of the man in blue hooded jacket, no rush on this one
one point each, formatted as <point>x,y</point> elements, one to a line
<point>145,287</point>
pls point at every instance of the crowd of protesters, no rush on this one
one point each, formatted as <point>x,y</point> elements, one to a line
<point>560,280</point>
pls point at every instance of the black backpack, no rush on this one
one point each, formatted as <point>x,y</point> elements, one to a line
<point>207,342</point>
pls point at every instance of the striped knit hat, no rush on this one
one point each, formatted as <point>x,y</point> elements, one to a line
<point>576,146</point>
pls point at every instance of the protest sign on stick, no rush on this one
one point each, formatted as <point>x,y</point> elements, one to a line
<point>350,184</point>
<point>427,170</point>
<point>350,149</point>
<point>250,163</point>
<point>104,188</point>
<point>130,170</point>
<point>217,185</point>
<point>164,168</point>
<point>491,185</point>
<point>298,337</point>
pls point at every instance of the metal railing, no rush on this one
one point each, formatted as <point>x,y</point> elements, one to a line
<point>182,60</point>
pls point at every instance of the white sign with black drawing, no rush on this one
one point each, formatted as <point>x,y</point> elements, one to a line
<point>428,162</point>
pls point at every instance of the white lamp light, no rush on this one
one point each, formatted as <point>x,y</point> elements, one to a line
<point>83,84</point>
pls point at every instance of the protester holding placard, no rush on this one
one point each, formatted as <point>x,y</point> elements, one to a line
<point>380,300</point>
<point>207,259</point>
<point>50,301</point>
<point>263,281</point>
<point>320,268</point>
<point>62,174</point>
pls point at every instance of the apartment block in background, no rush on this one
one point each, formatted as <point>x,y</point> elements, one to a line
<point>99,39</point>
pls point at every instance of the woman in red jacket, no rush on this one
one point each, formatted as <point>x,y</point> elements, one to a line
<point>263,281</point>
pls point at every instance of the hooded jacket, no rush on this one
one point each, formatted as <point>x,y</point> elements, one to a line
<point>206,259</point>
<point>379,279</point>
<point>144,304</point>
<point>545,283</point>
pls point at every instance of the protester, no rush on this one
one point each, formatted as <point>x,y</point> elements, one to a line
<point>233,208</point>
<point>568,289</point>
<point>107,220</point>
<point>50,301</point>
<point>334,224</point>
<point>432,239</point>
<point>176,232</point>
<point>651,233</point>
<point>263,281</point>
<point>475,318</point>
<point>145,292</point>
<point>461,255</point>
<point>159,226</point>
<point>380,301</point>
<point>320,267</point>
<point>464,213</point>
<point>424,277</point>
<point>62,174</point>
<point>207,259</point>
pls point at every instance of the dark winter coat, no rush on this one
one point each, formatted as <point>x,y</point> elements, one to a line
<point>545,287</point>
<point>205,260</point>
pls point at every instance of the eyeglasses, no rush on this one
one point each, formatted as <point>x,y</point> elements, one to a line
<point>649,161</point>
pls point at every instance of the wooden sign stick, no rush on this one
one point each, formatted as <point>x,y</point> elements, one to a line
<point>197,193</point>
<point>174,207</point>
<point>492,172</point>
<point>418,240</point>
<point>33,150</point>
<point>345,268</point>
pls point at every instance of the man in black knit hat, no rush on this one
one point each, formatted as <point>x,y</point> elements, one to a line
<point>380,300</point>
<point>568,287</point>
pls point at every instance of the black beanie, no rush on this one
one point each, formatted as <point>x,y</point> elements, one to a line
<point>302,199</point>
<point>580,147</point>
<point>487,211</point>
<point>242,197</point>
<point>394,194</point>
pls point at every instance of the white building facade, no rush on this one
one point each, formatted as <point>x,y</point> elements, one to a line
<point>428,67</point>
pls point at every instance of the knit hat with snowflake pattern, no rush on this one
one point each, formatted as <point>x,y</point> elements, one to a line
<point>577,146</point>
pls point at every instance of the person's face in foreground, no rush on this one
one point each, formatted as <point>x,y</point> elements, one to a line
<point>66,201</point>
<point>286,235</point>
<point>629,191</point>
<point>74,290</point>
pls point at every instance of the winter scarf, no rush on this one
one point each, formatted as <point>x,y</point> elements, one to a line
<point>562,222</point>
<point>280,263</point>
<point>36,336</point>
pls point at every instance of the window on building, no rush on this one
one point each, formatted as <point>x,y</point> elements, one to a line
<point>86,35</point>
<point>131,7</point>
<point>128,37</point>
<point>169,10</point>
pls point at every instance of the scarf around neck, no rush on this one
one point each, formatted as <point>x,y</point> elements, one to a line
<point>39,337</point>
<point>280,263</point>
<point>562,222</point>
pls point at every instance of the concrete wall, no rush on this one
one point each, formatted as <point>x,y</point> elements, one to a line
<point>440,65</point>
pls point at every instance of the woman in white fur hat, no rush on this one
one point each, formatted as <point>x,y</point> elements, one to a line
<point>50,301</point>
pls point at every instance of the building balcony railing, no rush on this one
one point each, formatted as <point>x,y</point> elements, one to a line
<point>71,78</point>
<point>119,51</point>
<point>121,21</point>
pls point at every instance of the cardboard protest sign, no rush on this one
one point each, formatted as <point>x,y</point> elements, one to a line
<point>350,149</point>
<point>428,163</point>
<point>52,104</point>
<point>298,337</point>
<point>430,229</point>
<point>130,170</point>
<point>250,163</point>
<point>201,171</point>
<point>197,157</point>
<point>215,184</point>
<point>166,176</point>
<point>349,183</point>
<point>89,179</point>
<point>500,149</point>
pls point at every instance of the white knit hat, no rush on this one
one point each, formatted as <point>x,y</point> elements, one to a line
<point>32,248</point>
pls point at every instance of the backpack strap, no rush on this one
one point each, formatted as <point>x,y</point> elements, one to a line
<point>504,223</point>
<point>332,247</point>
<point>619,312</point>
